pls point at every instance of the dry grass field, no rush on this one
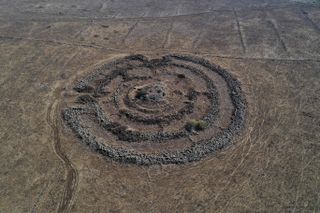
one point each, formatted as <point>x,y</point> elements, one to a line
<point>238,80</point>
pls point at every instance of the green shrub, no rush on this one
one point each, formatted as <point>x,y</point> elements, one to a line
<point>196,125</point>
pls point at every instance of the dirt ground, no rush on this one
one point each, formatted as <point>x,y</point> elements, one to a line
<point>271,46</point>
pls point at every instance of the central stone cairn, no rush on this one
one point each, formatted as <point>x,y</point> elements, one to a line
<point>171,110</point>
<point>151,93</point>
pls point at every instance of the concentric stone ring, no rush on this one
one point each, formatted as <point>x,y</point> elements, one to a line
<point>171,110</point>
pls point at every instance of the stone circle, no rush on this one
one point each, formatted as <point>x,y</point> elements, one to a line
<point>171,110</point>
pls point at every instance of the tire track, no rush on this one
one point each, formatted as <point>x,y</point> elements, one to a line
<point>71,173</point>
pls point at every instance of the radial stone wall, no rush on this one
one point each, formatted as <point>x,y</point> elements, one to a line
<point>171,110</point>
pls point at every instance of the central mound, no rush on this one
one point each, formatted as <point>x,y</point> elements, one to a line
<point>150,93</point>
<point>171,110</point>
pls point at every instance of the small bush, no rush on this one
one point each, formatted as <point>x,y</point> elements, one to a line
<point>196,125</point>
